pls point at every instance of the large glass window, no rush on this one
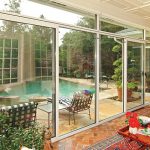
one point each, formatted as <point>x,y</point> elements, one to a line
<point>76,79</point>
<point>134,75</point>
<point>110,25</point>
<point>45,10</point>
<point>8,60</point>
<point>26,61</point>
<point>110,79</point>
<point>147,35</point>
<point>43,59</point>
<point>147,73</point>
<point>28,73</point>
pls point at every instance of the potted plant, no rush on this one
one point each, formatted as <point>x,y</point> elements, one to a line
<point>117,76</point>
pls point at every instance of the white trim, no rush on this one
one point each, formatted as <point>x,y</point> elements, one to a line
<point>47,23</point>
<point>144,34</point>
<point>27,20</point>
<point>144,66</point>
<point>137,107</point>
<point>120,36</point>
<point>41,22</point>
<point>61,25</point>
<point>135,40</point>
<point>57,81</point>
<point>125,75</point>
<point>21,59</point>
<point>142,73</point>
<point>97,49</point>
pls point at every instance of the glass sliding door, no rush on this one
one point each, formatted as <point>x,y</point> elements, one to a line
<point>26,60</point>
<point>134,74</point>
<point>110,77</point>
<point>76,80</point>
<point>147,73</point>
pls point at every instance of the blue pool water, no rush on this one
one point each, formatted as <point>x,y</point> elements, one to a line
<point>44,88</point>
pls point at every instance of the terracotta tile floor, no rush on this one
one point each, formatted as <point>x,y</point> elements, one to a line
<point>93,135</point>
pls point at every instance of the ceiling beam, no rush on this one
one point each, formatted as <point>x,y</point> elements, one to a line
<point>104,0</point>
<point>147,17</point>
<point>139,7</point>
<point>133,2</point>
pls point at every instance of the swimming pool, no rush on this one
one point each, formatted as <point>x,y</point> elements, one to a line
<point>44,88</point>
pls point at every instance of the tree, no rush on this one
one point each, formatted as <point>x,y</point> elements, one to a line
<point>82,43</point>
<point>13,6</point>
<point>13,27</point>
<point>41,33</point>
<point>107,57</point>
<point>78,47</point>
<point>110,27</point>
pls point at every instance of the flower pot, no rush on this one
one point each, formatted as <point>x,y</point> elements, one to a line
<point>47,145</point>
<point>133,130</point>
<point>119,90</point>
<point>129,93</point>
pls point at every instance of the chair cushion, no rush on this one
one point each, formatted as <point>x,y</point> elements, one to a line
<point>65,101</point>
<point>86,92</point>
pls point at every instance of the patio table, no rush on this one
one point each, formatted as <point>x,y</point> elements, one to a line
<point>48,109</point>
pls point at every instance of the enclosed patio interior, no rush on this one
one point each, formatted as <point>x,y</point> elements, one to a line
<point>65,51</point>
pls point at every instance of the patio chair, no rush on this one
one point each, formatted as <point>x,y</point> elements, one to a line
<point>80,102</point>
<point>20,115</point>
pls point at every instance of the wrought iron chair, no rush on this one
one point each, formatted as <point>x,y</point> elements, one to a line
<point>80,102</point>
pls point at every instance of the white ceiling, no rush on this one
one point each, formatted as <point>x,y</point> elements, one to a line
<point>133,12</point>
<point>140,8</point>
